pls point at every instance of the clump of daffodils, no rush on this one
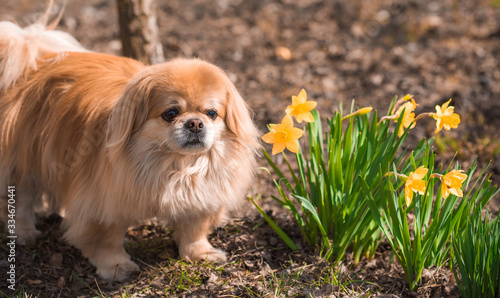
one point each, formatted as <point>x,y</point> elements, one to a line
<point>451,183</point>
<point>445,115</point>
<point>284,135</point>
<point>338,179</point>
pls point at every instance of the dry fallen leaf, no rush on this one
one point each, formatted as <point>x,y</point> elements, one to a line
<point>34,282</point>
<point>61,281</point>
<point>213,278</point>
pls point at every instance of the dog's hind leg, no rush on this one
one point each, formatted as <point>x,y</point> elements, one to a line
<point>17,205</point>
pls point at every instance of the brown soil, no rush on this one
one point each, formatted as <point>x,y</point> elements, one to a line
<point>340,50</point>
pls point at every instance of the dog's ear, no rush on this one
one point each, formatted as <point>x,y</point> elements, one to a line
<point>238,118</point>
<point>128,115</point>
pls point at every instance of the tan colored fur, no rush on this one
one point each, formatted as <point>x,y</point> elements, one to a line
<point>87,129</point>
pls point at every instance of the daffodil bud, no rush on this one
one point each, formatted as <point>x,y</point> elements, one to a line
<point>360,112</point>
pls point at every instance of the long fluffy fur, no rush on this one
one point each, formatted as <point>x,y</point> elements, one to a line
<point>29,44</point>
<point>86,129</point>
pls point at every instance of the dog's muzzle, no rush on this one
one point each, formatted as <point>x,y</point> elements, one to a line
<point>195,132</point>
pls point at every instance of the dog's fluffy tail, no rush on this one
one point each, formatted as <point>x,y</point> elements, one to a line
<point>20,48</point>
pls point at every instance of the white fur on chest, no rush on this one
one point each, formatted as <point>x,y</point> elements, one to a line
<point>202,184</point>
<point>195,185</point>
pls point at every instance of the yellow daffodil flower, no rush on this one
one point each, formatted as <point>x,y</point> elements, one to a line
<point>284,135</point>
<point>446,117</point>
<point>301,108</point>
<point>408,116</point>
<point>414,183</point>
<point>452,183</point>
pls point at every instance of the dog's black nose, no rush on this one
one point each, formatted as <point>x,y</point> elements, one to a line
<point>195,125</point>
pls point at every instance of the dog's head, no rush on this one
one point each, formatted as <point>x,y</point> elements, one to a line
<point>183,106</point>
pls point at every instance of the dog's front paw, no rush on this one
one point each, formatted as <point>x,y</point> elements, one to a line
<point>202,250</point>
<point>118,271</point>
<point>215,255</point>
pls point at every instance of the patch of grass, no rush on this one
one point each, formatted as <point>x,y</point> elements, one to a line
<point>19,293</point>
<point>331,274</point>
<point>339,278</point>
<point>126,293</point>
<point>180,276</point>
<point>283,282</point>
<point>321,279</point>
<point>279,283</point>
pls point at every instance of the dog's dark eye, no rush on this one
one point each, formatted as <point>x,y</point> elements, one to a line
<point>169,115</point>
<point>212,114</point>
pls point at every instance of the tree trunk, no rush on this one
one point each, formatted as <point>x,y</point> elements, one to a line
<point>139,30</point>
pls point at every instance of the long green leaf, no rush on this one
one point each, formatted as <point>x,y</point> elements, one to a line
<point>275,227</point>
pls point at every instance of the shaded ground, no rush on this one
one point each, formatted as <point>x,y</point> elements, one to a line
<point>340,50</point>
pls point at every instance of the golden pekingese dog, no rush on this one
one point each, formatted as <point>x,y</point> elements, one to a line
<point>112,142</point>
